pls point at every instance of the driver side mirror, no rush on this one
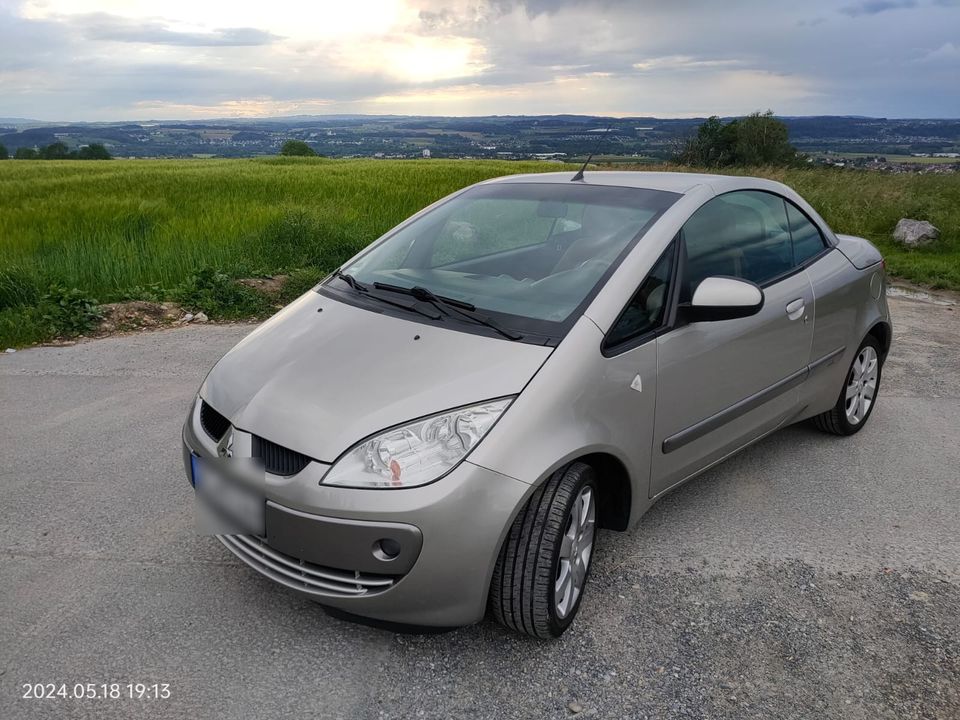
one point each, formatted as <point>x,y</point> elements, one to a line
<point>724,298</point>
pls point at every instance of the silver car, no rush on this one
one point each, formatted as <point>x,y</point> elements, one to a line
<point>439,428</point>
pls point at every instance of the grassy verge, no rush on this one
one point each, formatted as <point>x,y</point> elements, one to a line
<point>184,229</point>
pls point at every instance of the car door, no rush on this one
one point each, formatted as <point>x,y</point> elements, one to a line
<point>723,383</point>
<point>834,314</point>
<point>829,274</point>
<point>627,372</point>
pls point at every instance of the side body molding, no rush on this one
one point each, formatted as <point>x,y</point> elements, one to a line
<point>698,430</point>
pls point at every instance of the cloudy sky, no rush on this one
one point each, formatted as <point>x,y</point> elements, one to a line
<point>164,59</point>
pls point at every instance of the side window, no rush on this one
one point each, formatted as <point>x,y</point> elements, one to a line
<point>807,240</point>
<point>647,309</point>
<point>741,234</point>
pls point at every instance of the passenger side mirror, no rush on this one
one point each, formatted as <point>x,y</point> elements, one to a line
<point>724,298</point>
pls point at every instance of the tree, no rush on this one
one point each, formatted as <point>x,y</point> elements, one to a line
<point>25,153</point>
<point>712,146</point>
<point>297,147</point>
<point>94,151</point>
<point>3,152</point>
<point>55,151</point>
<point>758,139</point>
<point>763,140</point>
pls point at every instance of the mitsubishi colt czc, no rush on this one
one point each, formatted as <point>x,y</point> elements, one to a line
<point>439,427</point>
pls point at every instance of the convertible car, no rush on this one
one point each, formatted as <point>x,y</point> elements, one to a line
<point>437,429</point>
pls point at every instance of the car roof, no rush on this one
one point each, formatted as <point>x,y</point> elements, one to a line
<point>676,182</point>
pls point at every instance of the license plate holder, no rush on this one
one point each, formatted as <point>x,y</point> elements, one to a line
<point>226,506</point>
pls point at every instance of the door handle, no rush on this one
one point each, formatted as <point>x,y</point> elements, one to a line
<point>795,309</point>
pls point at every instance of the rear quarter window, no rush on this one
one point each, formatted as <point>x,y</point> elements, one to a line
<point>808,242</point>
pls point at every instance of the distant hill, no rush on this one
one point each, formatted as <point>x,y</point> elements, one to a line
<point>495,136</point>
<point>19,121</point>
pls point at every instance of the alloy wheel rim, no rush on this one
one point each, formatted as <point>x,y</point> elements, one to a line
<point>861,385</point>
<point>576,548</point>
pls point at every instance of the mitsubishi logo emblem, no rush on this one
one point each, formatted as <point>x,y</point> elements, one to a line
<point>225,446</point>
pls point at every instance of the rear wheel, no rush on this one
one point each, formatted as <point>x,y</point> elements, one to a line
<point>542,569</point>
<point>859,393</point>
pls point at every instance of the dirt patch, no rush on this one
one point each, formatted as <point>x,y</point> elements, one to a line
<point>140,315</point>
<point>269,285</point>
<point>137,315</point>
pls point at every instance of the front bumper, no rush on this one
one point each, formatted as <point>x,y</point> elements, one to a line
<point>324,542</point>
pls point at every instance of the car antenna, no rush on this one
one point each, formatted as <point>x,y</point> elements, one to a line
<point>579,176</point>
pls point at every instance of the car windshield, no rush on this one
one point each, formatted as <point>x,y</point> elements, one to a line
<point>526,254</point>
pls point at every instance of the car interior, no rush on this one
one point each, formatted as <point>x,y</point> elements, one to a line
<point>547,279</point>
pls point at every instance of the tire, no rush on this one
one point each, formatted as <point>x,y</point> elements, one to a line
<point>838,420</point>
<point>524,587</point>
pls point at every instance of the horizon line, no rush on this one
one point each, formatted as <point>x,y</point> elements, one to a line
<point>255,118</point>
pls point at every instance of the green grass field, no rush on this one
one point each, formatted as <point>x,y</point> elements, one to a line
<point>144,229</point>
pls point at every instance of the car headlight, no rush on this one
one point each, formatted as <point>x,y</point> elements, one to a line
<point>416,453</point>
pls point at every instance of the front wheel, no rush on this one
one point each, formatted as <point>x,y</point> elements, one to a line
<point>542,569</point>
<point>859,394</point>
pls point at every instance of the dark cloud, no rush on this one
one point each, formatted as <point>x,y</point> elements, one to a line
<point>874,7</point>
<point>101,26</point>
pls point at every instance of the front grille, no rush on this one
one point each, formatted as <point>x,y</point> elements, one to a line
<point>301,575</point>
<point>213,422</point>
<point>278,459</point>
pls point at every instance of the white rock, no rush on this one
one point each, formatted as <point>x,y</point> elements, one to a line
<point>10,350</point>
<point>200,318</point>
<point>914,233</point>
<point>188,317</point>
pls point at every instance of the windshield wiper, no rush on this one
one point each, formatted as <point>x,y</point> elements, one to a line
<point>422,293</point>
<point>446,304</point>
<point>350,280</point>
<point>365,292</point>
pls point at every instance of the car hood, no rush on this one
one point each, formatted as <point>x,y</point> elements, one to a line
<point>322,375</point>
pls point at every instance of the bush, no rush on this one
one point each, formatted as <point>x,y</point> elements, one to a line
<point>219,297</point>
<point>55,151</point>
<point>59,151</point>
<point>297,148</point>
<point>153,292</point>
<point>69,312</point>
<point>758,139</point>
<point>94,151</point>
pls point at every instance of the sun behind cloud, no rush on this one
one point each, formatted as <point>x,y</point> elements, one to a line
<point>413,59</point>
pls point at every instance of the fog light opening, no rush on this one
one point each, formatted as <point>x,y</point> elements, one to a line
<point>386,549</point>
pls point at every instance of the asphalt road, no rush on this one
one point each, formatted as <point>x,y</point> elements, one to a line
<point>809,577</point>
